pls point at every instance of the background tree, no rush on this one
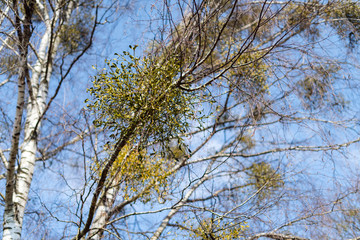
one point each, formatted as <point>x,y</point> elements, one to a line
<point>270,108</point>
<point>41,41</point>
<point>231,123</point>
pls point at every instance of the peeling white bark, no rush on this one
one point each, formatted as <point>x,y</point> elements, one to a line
<point>102,214</point>
<point>41,73</point>
<point>29,146</point>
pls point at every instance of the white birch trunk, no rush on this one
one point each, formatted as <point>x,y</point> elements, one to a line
<point>102,214</point>
<point>29,146</point>
<point>11,227</point>
<point>14,212</point>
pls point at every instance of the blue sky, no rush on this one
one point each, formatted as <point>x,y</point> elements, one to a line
<point>329,172</point>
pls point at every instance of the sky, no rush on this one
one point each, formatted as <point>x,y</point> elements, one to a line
<point>134,28</point>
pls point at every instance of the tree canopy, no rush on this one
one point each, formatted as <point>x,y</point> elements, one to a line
<point>236,120</point>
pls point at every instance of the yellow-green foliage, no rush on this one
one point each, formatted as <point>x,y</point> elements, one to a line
<point>340,14</point>
<point>247,141</point>
<point>265,177</point>
<point>348,221</point>
<point>347,13</point>
<point>210,229</point>
<point>144,92</point>
<point>76,35</point>
<point>8,63</point>
<point>316,87</point>
<point>313,89</point>
<point>250,73</point>
<point>295,12</point>
<point>136,172</point>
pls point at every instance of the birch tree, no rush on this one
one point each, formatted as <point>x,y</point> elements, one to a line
<point>41,41</point>
<point>235,122</point>
<point>262,73</point>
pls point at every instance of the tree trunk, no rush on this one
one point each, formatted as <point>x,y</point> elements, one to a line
<point>18,183</point>
<point>102,214</point>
